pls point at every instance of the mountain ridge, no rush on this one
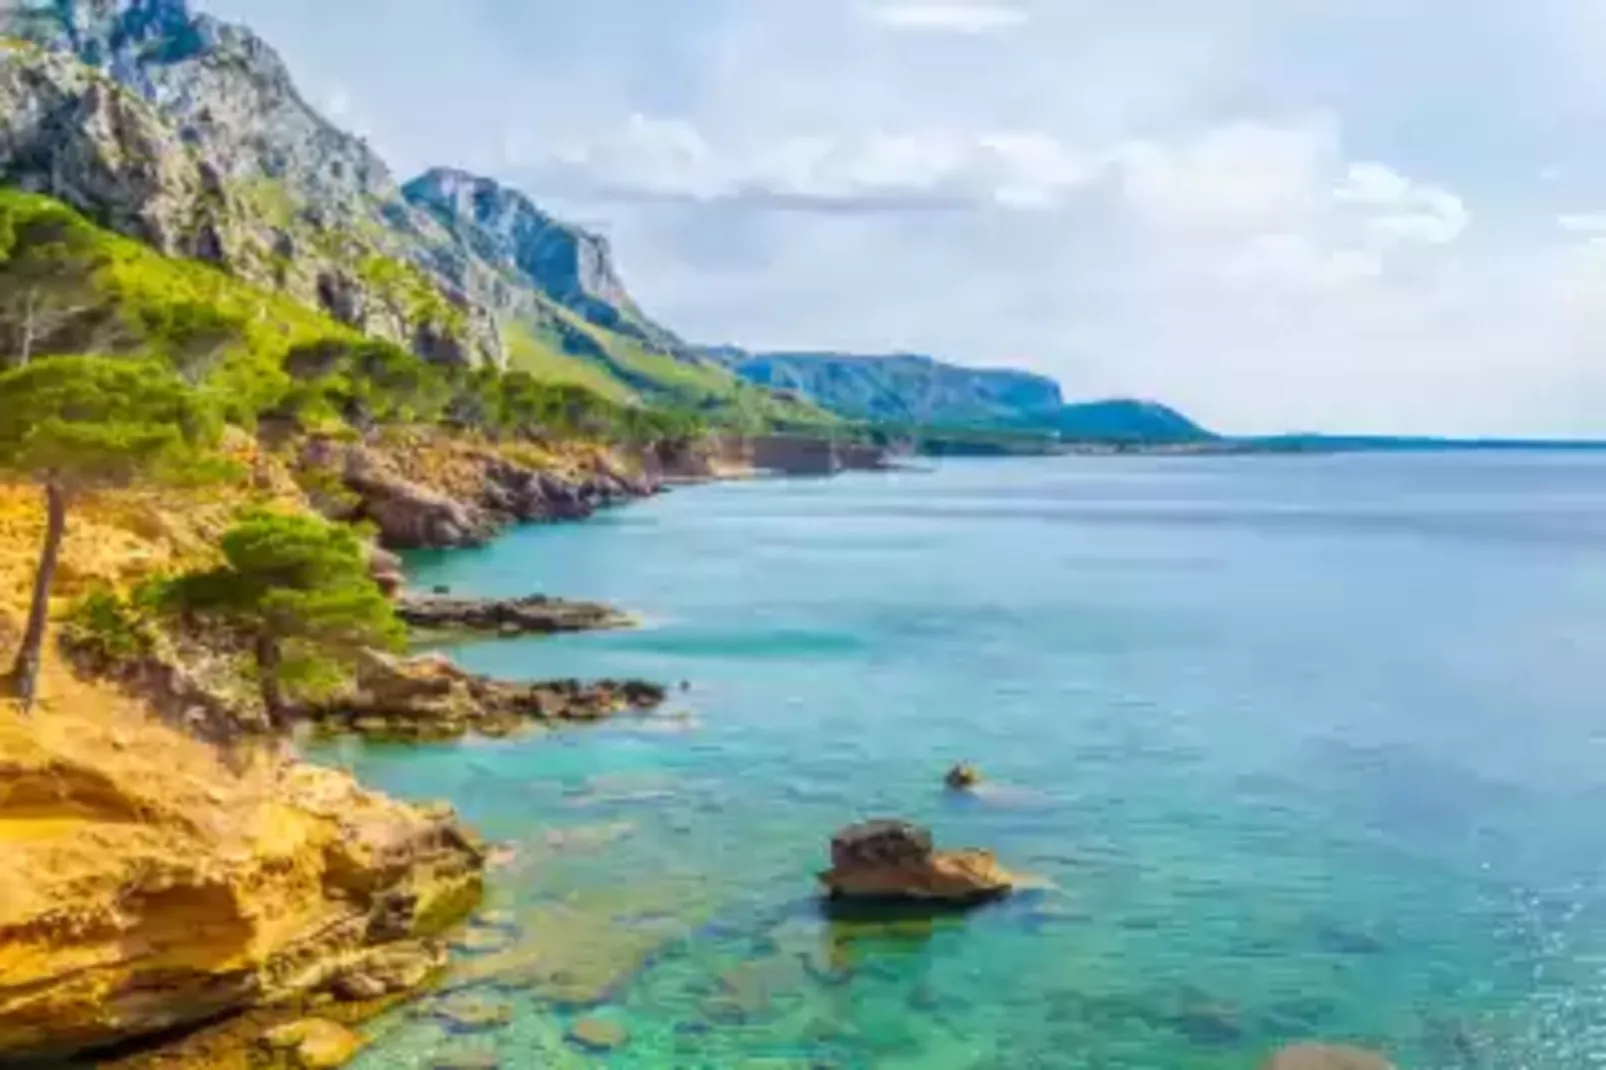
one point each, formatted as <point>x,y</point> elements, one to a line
<point>188,133</point>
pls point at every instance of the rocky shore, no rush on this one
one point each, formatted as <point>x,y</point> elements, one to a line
<point>430,698</point>
<point>430,492</point>
<point>527,615</point>
<point>154,882</point>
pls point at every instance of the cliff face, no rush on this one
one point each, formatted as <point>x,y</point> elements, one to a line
<point>189,133</point>
<point>504,228</point>
<point>150,884</point>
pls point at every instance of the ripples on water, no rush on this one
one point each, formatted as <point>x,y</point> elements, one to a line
<point>1311,746</point>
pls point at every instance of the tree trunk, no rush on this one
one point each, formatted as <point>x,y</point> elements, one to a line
<point>267,654</point>
<point>26,350</point>
<point>24,677</point>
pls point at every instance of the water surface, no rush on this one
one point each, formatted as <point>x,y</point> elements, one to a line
<point>1310,746</point>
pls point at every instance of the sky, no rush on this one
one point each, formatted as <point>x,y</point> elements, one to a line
<point>1341,215</point>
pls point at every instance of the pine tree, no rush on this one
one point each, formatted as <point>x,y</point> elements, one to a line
<point>75,425</point>
<point>301,588</point>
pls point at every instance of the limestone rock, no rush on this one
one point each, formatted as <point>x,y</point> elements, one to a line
<point>310,1044</point>
<point>598,1034</point>
<point>1327,1057</point>
<point>151,882</point>
<point>469,1014</point>
<point>894,860</point>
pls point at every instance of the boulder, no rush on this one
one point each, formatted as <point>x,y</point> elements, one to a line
<point>894,860</point>
<point>962,777</point>
<point>598,1034</point>
<point>1327,1057</point>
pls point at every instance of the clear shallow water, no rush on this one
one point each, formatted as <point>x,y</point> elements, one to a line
<point>1311,746</point>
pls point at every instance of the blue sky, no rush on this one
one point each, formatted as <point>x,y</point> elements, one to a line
<point>1326,214</point>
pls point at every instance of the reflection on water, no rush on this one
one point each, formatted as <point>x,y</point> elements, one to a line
<point>1300,748</point>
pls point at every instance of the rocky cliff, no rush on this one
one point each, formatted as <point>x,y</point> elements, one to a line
<point>152,882</point>
<point>189,133</point>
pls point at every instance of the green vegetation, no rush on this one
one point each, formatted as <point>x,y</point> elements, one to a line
<point>262,353</point>
<point>411,293</point>
<point>112,629</point>
<point>539,355</point>
<point>299,588</point>
<point>78,424</point>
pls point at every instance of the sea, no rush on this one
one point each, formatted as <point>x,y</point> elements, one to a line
<point>1292,748</point>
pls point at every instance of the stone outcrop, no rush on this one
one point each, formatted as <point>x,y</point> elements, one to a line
<point>1327,1057</point>
<point>529,615</point>
<point>962,777</point>
<point>153,882</point>
<point>896,861</point>
<point>429,697</point>
<point>437,494</point>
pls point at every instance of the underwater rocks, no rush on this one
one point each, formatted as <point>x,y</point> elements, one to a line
<point>153,883</point>
<point>1327,1057</point>
<point>597,1035</point>
<point>528,615</point>
<point>429,697</point>
<point>894,860</point>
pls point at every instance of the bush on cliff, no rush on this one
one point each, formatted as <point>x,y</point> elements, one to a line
<point>300,588</point>
<point>76,425</point>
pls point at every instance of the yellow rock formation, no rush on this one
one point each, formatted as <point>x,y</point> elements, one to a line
<point>149,880</point>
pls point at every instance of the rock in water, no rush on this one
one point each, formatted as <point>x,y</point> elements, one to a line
<point>894,860</point>
<point>598,1034</point>
<point>962,777</point>
<point>1327,1057</point>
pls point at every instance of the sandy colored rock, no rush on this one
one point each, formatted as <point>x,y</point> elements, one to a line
<point>894,860</point>
<point>466,1059</point>
<point>598,1034</point>
<point>310,1044</point>
<point>1327,1057</point>
<point>470,1014</point>
<point>150,884</point>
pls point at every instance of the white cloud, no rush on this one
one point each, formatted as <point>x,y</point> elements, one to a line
<point>951,16</point>
<point>1242,206</point>
<point>1589,223</point>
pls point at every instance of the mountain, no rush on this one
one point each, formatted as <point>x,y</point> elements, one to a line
<point>1119,420</point>
<point>900,388</point>
<point>189,134</point>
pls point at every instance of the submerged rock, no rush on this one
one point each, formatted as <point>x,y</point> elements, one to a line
<point>1327,1057</point>
<point>468,1014</point>
<point>527,615</point>
<point>894,860</point>
<point>598,1034</point>
<point>310,1044</point>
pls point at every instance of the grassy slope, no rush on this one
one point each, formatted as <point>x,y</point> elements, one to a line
<point>529,352</point>
<point>148,302</point>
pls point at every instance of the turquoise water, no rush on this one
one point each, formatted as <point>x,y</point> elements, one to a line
<point>1308,747</point>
